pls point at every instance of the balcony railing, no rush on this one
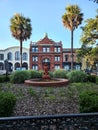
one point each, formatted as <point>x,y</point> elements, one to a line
<point>86,121</point>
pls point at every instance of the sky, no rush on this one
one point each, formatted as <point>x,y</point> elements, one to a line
<point>46,17</point>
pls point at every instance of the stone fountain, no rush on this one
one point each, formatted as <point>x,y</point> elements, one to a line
<point>46,81</point>
<point>46,75</point>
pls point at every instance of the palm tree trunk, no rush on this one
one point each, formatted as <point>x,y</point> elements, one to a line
<point>21,53</point>
<point>71,49</point>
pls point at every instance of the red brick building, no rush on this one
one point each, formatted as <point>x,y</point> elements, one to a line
<point>67,59</point>
<point>52,53</point>
<point>46,51</point>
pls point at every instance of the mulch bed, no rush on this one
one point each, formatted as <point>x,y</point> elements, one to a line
<point>32,101</point>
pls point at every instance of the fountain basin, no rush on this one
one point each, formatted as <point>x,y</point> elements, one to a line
<point>47,83</point>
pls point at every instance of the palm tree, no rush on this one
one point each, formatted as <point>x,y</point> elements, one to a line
<point>96,1</point>
<point>21,29</point>
<point>71,20</point>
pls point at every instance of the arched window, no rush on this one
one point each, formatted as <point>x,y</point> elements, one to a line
<point>25,56</point>
<point>9,56</point>
<point>17,66</point>
<point>46,60</point>
<point>25,66</point>
<point>17,55</point>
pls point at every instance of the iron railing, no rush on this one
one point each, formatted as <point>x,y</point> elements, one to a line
<point>85,121</point>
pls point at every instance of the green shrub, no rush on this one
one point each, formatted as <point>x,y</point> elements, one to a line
<point>88,102</point>
<point>3,78</point>
<point>77,76</point>
<point>60,73</point>
<point>7,103</point>
<point>96,79</point>
<point>51,74</point>
<point>91,78</point>
<point>19,76</point>
<point>35,74</point>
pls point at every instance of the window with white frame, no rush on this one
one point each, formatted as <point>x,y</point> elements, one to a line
<point>35,58</point>
<point>35,67</point>
<point>57,58</point>
<point>46,49</point>
<point>9,56</point>
<point>17,55</point>
<point>25,56</point>
<point>66,67</point>
<point>57,66</point>
<point>34,49</point>
<point>57,49</point>
<point>77,67</point>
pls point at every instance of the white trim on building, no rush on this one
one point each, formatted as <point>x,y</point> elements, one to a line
<point>12,55</point>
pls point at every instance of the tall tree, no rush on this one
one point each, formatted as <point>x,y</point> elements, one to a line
<point>84,56</point>
<point>83,52</point>
<point>21,29</point>
<point>71,19</point>
<point>90,31</point>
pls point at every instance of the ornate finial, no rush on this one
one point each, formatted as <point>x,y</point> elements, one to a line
<point>46,35</point>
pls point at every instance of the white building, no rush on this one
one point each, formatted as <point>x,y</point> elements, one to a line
<point>10,58</point>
